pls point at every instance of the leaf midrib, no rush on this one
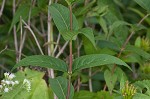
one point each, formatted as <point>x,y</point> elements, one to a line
<point>62,18</point>
<point>61,89</point>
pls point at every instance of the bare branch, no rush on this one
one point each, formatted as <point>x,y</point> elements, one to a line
<point>28,27</point>
<point>2,7</point>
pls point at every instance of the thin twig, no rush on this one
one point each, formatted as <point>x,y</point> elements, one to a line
<point>3,49</point>
<point>36,30</point>
<point>79,45</point>
<point>15,33</point>
<point>2,8</point>
<point>58,39</point>
<point>28,27</point>
<point>62,49</point>
<point>42,25</point>
<point>30,11</point>
<point>22,40</point>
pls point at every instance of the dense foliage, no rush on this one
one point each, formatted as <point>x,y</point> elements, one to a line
<point>74,49</point>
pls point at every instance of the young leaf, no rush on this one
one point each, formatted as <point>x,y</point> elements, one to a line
<point>96,60</point>
<point>60,15</point>
<point>43,61</point>
<point>59,86</point>
<point>144,4</point>
<point>138,42</point>
<point>110,80</point>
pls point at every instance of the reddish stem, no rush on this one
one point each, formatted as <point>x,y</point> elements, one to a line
<point>70,57</point>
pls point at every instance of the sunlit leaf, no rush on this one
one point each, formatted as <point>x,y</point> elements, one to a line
<point>96,60</point>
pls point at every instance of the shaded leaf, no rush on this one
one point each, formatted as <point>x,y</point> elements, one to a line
<point>103,95</point>
<point>84,95</point>
<point>144,4</point>
<point>88,33</point>
<point>110,80</point>
<point>59,86</point>
<point>43,61</point>
<point>103,24</point>
<point>116,24</point>
<point>138,51</point>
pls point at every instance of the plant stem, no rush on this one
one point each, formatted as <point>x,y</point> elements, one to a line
<point>15,34</point>
<point>50,39</point>
<point>2,7</point>
<point>28,27</point>
<point>70,58</point>
<point>90,80</point>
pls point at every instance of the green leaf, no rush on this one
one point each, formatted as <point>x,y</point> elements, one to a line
<point>59,86</point>
<point>140,13</point>
<point>138,51</point>
<point>116,24</point>
<point>84,9</point>
<point>43,61</point>
<point>103,95</point>
<point>23,12</point>
<point>61,17</point>
<point>69,35</point>
<point>141,85</point>
<point>70,2</point>
<point>39,89</point>
<point>41,3</point>
<point>138,42</point>
<point>88,46</point>
<point>110,80</point>
<point>96,60</point>
<point>103,24</point>
<point>144,4</point>
<point>88,33</point>
<point>141,96</point>
<point>122,81</point>
<point>113,14</point>
<point>84,95</point>
<point>108,44</point>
